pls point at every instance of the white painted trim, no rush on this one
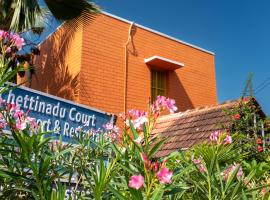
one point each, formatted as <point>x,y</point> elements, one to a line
<point>164,59</point>
<point>60,99</point>
<point>157,32</point>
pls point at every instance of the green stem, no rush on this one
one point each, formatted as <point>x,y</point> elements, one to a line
<point>39,185</point>
<point>209,188</point>
<point>148,192</point>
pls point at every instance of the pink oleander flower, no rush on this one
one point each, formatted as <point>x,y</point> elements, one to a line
<point>226,173</point>
<point>97,131</point>
<point>144,157</point>
<point>2,102</point>
<point>155,166</point>
<point>18,41</point>
<point>240,172</point>
<point>137,118</point>
<point>202,168</point>
<point>137,123</point>
<point>32,122</point>
<point>17,113</point>
<point>133,113</point>
<point>111,128</point>
<point>170,105</point>
<point>21,125</point>
<point>164,175</point>
<point>78,129</point>
<point>116,130</point>
<point>13,107</point>
<point>138,140</point>
<point>228,139</point>
<point>89,133</point>
<point>136,181</point>
<point>122,116</point>
<point>108,126</point>
<point>8,50</point>
<point>214,137</point>
<point>162,103</point>
<point>196,161</point>
<point>3,34</point>
<point>112,131</point>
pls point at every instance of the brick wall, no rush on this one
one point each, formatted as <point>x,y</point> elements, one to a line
<point>98,53</point>
<point>58,66</point>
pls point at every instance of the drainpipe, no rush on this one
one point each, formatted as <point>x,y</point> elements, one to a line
<point>126,65</point>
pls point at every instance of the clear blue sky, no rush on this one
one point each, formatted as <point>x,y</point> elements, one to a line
<point>238,31</point>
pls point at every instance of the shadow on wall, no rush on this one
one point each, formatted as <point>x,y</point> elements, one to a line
<point>177,91</point>
<point>53,75</point>
<point>63,83</point>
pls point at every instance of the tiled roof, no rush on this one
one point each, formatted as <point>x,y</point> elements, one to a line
<point>185,129</point>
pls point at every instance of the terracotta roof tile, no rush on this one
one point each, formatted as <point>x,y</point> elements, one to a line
<point>185,129</point>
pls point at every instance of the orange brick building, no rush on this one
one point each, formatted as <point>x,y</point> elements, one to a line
<point>113,64</point>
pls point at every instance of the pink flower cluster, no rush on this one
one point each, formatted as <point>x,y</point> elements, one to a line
<point>21,119</point>
<point>163,174</point>
<point>56,145</point>
<point>198,163</point>
<point>216,136</point>
<point>10,39</point>
<point>161,103</point>
<point>17,40</point>
<point>137,118</point>
<point>112,131</point>
<point>227,172</point>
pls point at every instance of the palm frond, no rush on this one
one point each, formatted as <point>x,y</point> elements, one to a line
<point>70,9</point>
<point>25,14</point>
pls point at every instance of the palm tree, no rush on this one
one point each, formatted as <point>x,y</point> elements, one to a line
<point>25,15</point>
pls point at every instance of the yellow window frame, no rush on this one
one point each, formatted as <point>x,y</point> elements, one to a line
<point>158,83</point>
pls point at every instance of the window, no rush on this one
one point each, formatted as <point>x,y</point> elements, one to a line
<point>158,83</point>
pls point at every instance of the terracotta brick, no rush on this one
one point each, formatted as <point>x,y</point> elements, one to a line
<point>97,52</point>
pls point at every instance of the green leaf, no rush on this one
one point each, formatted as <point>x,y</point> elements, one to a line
<point>117,193</point>
<point>11,175</point>
<point>231,178</point>
<point>156,148</point>
<point>133,130</point>
<point>44,167</point>
<point>158,193</point>
<point>68,150</point>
